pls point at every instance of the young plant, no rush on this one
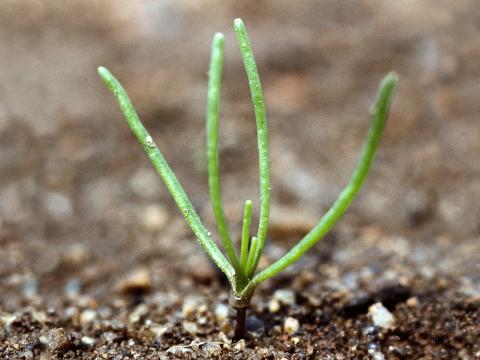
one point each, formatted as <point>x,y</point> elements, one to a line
<point>241,268</point>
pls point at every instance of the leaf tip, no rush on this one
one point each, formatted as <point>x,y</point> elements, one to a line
<point>238,23</point>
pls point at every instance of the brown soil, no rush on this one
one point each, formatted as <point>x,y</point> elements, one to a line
<point>95,261</point>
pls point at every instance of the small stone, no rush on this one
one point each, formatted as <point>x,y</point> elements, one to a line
<point>88,341</point>
<point>179,350</point>
<point>274,306</point>
<point>58,206</point>
<point>212,349</point>
<point>240,345</point>
<point>191,305</point>
<point>137,314</point>
<point>6,319</point>
<point>285,297</point>
<point>43,339</point>
<point>27,354</point>
<point>110,337</point>
<point>380,316</point>
<point>158,330</point>
<point>39,316</point>
<point>412,302</point>
<point>190,327</point>
<point>254,324</point>
<point>376,355</point>
<point>221,312</point>
<point>290,325</point>
<point>87,316</point>
<point>73,288</point>
<point>57,340</point>
<point>76,254</point>
<point>30,288</point>
<point>137,281</point>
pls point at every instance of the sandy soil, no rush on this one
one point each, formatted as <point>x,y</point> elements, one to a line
<point>95,261</point>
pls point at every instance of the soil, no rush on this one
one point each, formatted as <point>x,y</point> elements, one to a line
<point>96,262</point>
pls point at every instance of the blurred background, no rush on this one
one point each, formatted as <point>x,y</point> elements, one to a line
<point>77,194</point>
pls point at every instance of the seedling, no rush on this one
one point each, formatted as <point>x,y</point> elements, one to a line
<point>241,268</point>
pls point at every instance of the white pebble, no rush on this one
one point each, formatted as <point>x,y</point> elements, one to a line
<point>380,316</point>
<point>87,316</point>
<point>291,325</point>
<point>179,350</point>
<point>221,312</point>
<point>88,341</point>
<point>376,355</point>
<point>58,206</point>
<point>137,314</point>
<point>240,345</point>
<point>191,305</point>
<point>212,349</point>
<point>274,306</point>
<point>285,297</point>
<point>6,319</point>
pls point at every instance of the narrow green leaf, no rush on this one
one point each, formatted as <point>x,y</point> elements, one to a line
<point>262,136</point>
<point>160,164</point>
<point>213,115</point>
<point>247,218</point>
<point>381,110</point>
<point>251,254</point>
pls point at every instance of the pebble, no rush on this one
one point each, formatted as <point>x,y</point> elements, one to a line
<point>110,337</point>
<point>274,306</point>
<point>137,314</point>
<point>179,350</point>
<point>240,345</point>
<point>291,325</point>
<point>192,304</point>
<point>137,281</point>
<point>76,254</point>
<point>56,340</point>
<point>30,288</point>
<point>190,327</point>
<point>88,341</point>
<point>412,302</point>
<point>212,349</point>
<point>158,330</point>
<point>39,316</point>
<point>221,312</point>
<point>6,319</point>
<point>58,206</point>
<point>252,323</point>
<point>73,288</point>
<point>285,297</point>
<point>376,355</point>
<point>380,316</point>
<point>87,316</point>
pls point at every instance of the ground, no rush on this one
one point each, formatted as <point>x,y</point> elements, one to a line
<point>96,261</point>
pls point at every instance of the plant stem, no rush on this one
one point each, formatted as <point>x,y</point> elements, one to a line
<point>262,136</point>
<point>381,110</point>
<point>176,190</point>
<point>240,324</point>
<point>247,218</point>
<point>213,115</point>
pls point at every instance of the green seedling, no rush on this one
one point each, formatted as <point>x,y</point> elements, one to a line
<point>241,268</point>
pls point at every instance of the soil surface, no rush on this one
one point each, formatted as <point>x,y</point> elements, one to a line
<point>97,263</point>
